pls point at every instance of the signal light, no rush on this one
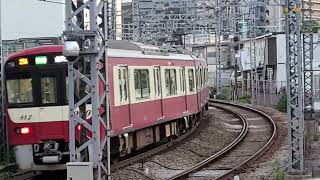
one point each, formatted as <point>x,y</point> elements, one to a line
<point>23,61</point>
<point>40,60</point>
<point>79,127</point>
<point>60,59</point>
<point>23,130</point>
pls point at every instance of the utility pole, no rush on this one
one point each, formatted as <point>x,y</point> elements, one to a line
<point>252,53</point>
<point>218,47</point>
<point>294,87</point>
<point>87,45</point>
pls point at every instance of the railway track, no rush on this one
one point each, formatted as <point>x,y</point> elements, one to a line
<point>257,135</point>
<point>231,161</point>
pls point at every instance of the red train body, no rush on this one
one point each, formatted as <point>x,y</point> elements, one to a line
<point>153,96</point>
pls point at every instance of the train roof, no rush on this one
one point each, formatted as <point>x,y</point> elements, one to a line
<point>115,49</point>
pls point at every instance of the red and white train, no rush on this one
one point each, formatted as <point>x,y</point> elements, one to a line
<point>153,97</point>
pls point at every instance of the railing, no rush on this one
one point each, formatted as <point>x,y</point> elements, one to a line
<point>269,91</point>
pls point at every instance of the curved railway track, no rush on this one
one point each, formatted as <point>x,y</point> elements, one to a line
<point>256,137</point>
<point>231,161</point>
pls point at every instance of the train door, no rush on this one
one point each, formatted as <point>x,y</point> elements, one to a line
<point>192,104</point>
<point>183,92</point>
<point>197,74</point>
<point>158,89</point>
<point>124,93</point>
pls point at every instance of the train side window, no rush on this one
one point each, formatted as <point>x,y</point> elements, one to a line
<point>191,80</point>
<point>207,76</point>
<point>159,81</point>
<point>20,91</point>
<point>122,82</point>
<point>141,84</point>
<point>200,78</point>
<point>125,86</point>
<point>182,80</point>
<point>171,82</point>
<point>204,76</point>
<point>49,90</point>
<point>157,84</point>
<point>197,78</point>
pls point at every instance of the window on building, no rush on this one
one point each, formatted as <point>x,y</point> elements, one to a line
<point>171,82</point>
<point>141,84</point>
<point>157,84</point>
<point>191,80</point>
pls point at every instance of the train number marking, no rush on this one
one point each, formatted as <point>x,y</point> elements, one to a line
<point>25,117</point>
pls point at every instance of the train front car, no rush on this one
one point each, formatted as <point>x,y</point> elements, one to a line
<point>37,107</point>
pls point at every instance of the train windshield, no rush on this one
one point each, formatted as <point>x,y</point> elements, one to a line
<point>36,81</point>
<point>20,90</point>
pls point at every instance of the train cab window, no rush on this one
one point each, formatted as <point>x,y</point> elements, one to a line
<point>20,91</point>
<point>171,82</point>
<point>191,80</point>
<point>141,84</point>
<point>49,90</point>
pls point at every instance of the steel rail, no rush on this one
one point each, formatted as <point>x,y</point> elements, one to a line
<point>226,149</point>
<point>241,166</point>
<point>258,154</point>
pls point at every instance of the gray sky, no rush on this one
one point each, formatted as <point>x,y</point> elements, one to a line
<point>31,18</point>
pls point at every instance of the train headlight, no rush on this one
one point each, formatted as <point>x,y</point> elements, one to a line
<point>23,130</point>
<point>71,50</point>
